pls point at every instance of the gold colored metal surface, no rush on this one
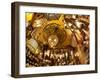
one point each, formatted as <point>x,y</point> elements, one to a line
<point>53,40</point>
<point>57,39</point>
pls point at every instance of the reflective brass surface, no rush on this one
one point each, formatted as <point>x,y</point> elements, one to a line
<point>57,39</point>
